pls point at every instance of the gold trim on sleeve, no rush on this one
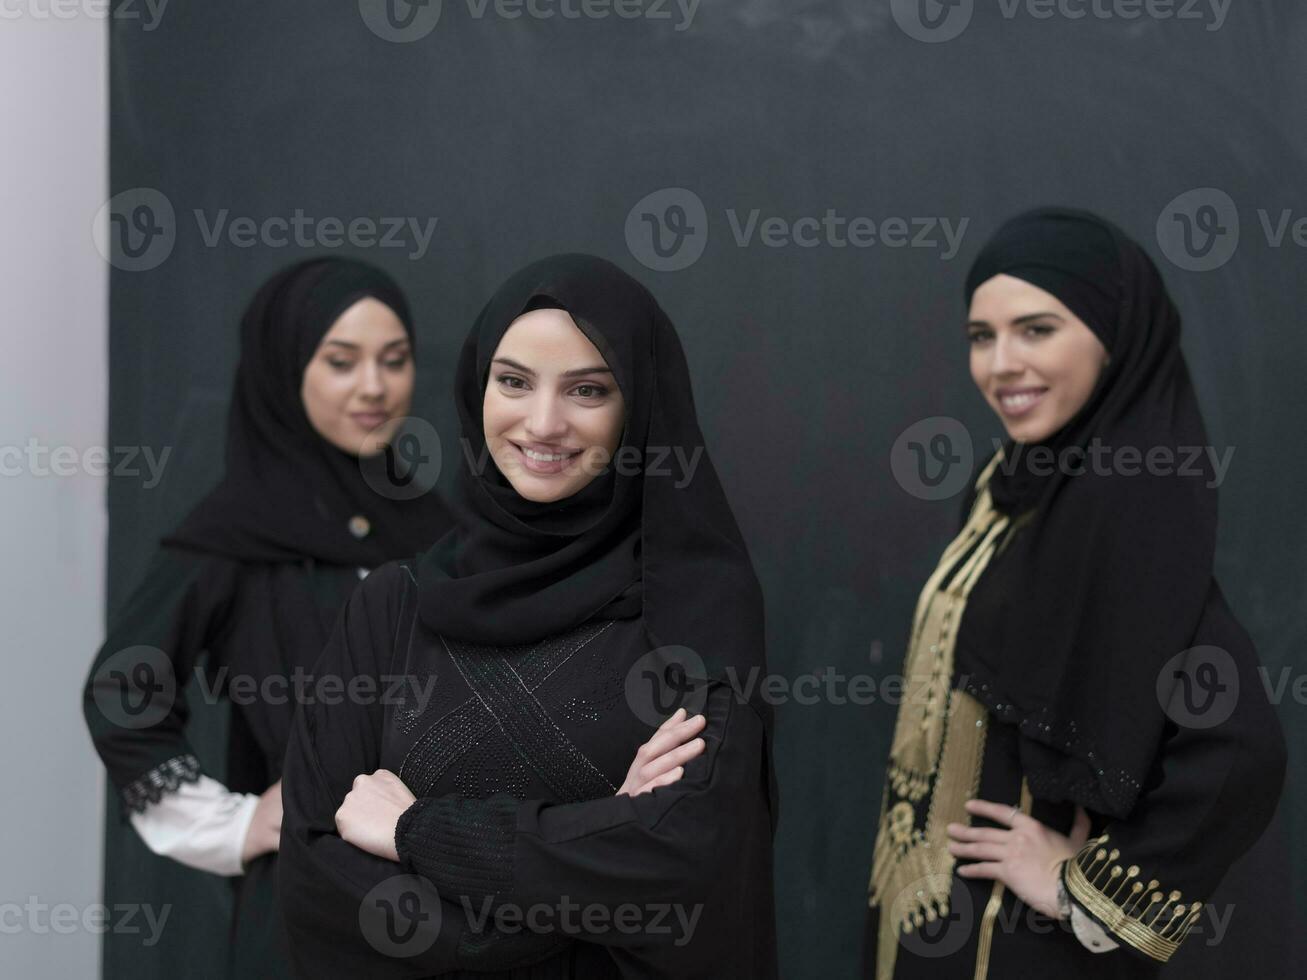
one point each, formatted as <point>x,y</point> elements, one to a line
<point>1140,914</point>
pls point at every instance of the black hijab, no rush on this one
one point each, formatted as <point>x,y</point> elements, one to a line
<point>1066,633</point>
<point>288,494</point>
<point>651,536</point>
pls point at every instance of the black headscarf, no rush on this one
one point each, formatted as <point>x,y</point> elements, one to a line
<point>655,538</point>
<point>1066,633</point>
<point>287,493</point>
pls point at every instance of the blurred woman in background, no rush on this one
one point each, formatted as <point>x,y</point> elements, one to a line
<point>257,573</point>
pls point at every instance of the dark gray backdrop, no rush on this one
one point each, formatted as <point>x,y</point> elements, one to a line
<point>527,135</point>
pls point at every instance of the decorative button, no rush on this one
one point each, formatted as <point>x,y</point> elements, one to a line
<point>359,526</point>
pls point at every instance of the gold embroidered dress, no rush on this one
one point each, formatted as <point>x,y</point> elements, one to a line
<point>1138,885</point>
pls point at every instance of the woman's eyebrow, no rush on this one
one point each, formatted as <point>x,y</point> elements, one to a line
<point>353,346</point>
<point>577,372</point>
<point>1035,316</point>
<point>574,373</point>
<point>1017,321</point>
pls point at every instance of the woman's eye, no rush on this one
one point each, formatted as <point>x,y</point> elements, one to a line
<point>396,363</point>
<point>340,365</point>
<point>977,336</point>
<point>511,381</point>
<point>590,391</point>
<point>1040,329</point>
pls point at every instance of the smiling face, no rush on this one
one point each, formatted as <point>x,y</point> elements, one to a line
<point>552,414</point>
<point>359,384</point>
<point>1035,362</point>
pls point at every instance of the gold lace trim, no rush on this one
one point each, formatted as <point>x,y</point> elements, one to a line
<point>938,730</point>
<point>1152,922</point>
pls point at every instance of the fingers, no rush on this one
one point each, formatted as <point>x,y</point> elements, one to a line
<point>983,851</point>
<point>981,869</point>
<point>666,779</point>
<point>667,738</point>
<point>672,759</point>
<point>673,719</point>
<point>1003,813</point>
<point>960,831</point>
<point>1080,828</point>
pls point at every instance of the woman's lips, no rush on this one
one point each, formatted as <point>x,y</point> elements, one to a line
<point>1015,402</point>
<point>537,459</point>
<point>370,420</point>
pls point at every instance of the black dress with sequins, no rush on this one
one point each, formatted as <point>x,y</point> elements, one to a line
<point>517,859</point>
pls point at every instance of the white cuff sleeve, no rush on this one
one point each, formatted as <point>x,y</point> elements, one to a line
<point>1091,935</point>
<point>202,825</point>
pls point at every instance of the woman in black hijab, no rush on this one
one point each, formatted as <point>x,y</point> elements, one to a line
<point>502,825</point>
<point>1084,746</point>
<point>255,575</point>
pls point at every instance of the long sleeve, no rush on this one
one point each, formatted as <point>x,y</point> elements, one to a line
<point>134,700</point>
<point>675,883</point>
<point>202,825</point>
<point>349,913</point>
<point>1214,789</point>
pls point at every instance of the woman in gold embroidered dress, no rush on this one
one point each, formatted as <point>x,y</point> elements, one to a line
<point>1084,746</point>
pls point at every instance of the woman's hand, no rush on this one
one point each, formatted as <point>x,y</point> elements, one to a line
<point>371,810</point>
<point>1025,856</point>
<point>264,833</point>
<point>661,760</point>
